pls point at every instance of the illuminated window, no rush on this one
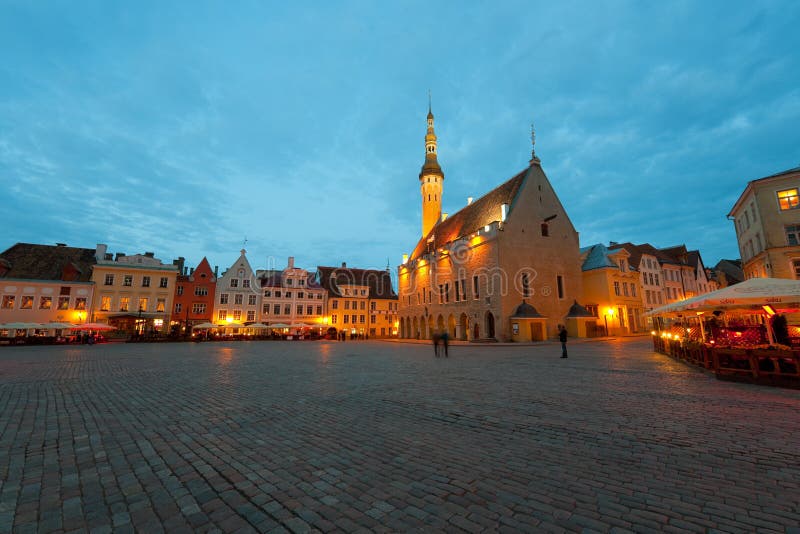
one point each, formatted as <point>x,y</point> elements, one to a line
<point>222,315</point>
<point>45,303</point>
<point>105,303</point>
<point>124,302</point>
<point>788,199</point>
<point>143,303</point>
<point>26,303</point>
<point>161,305</point>
<point>63,303</point>
<point>237,315</point>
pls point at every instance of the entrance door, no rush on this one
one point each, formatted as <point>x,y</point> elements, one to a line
<point>489,324</point>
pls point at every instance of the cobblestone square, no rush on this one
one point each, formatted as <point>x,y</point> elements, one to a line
<point>381,436</point>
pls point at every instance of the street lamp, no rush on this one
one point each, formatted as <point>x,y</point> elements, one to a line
<point>139,328</point>
<point>609,313</point>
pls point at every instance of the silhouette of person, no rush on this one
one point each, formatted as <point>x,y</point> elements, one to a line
<point>562,337</point>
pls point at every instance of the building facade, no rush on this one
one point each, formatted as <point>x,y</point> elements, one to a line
<point>193,303</point>
<point>471,272</point>
<point>133,293</point>
<point>237,294</point>
<point>46,284</point>
<point>611,289</point>
<point>291,296</point>
<point>767,221</point>
<point>361,302</point>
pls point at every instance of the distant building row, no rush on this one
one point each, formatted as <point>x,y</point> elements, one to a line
<point>139,293</point>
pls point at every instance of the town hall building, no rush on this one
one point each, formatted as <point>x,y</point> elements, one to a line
<point>504,267</point>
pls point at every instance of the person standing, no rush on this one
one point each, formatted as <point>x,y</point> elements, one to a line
<point>562,337</point>
<point>436,339</point>
<point>445,339</point>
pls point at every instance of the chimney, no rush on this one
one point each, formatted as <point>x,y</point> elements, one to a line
<point>216,271</point>
<point>344,265</point>
<point>185,271</point>
<point>469,201</point>
<point>291,262</point>
<point>191,270</point>
<point>150,254</point>
<point>100,252</point>
<point>119,255</point>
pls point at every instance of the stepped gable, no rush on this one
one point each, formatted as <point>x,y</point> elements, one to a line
<point>27,261</point>
<point>468,219</point>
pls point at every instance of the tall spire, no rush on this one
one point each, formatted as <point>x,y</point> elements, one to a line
<point>534,158</point>
<point>431,179</point>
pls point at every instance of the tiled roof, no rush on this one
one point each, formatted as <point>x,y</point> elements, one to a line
<point>732,270</point>
<point>379,282</point>
<point>470,218</point>
<point>48,262</point>
<point>596,257</point>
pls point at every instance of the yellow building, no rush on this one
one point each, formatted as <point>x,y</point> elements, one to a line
<point>133,293</point>
<point>361,302</point>
<point>767,221</point>
<point>611,290</point>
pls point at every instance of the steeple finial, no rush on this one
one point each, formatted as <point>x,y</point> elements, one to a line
<point>534,158</point>
<point>429,100</point>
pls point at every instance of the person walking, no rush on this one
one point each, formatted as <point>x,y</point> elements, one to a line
<point>445,339</point>
<point>436,339</point>
<point>562,337</point>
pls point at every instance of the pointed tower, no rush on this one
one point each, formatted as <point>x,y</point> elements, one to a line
<point>431,181</point>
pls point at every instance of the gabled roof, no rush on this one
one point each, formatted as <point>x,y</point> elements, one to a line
<point>48,262</point>
<point>596,258</point>
<point>470,218</point>
<point>732,269</point>
<point>751,185</point>
<point>379,282</point>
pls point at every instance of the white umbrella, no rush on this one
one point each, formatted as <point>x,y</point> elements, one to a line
<point>280,325</point>
<point>205,325</point>
<point>258,326</point>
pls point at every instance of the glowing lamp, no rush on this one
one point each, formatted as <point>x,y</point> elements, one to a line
<point>405,258</point>
<point>768,310</point>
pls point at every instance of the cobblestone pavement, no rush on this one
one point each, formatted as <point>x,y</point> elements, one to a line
<point>377,436</point>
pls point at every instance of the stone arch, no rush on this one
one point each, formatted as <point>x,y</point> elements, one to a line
<point>451,326</point>
<point>476,331</point>
<point>490,325</point>
<point>430,327</point>
<point>440,323</point>
<point>415,329</point>
<point>463,324</point>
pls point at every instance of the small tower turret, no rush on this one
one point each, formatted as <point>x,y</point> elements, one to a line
<point>431,180</point>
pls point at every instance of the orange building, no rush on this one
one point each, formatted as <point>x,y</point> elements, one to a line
<point>194,297</point>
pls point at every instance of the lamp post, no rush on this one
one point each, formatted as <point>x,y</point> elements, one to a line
<point>139,328</point>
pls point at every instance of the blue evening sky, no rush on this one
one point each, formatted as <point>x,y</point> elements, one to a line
<point>183,127</point>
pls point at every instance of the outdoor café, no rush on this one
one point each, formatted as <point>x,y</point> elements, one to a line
<point>747,332</point>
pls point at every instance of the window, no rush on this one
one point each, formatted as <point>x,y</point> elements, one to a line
<point>793,234</point>
<point>625,288</point>
<point>633,289</point>
<point>288,294</point>
<point>475,293</point>
<point>63,303</point>
<point>319,310</point>
<point>287,309</point>
<point>200,291</point>
<point>300,295</point>
<point>267,293</point>
<point>143,303</point>
<point>289,282</point>
<point>234,282</point>
<point>161,305</point>
<point>251,300</point>
<point>127,280</point>
<point>353,318</point>
<point>26,302</point>
<point>363,304</point>
<point>648,294</point>
<point>277,294</point>
<point>276,309</point>
<point>299,309</point>
<point>222,315</point>
<point>109,280</point>
<point>163,282</point>
<point>621,265</point>
<point>124,303</point>
<point>45,303</point>
<point>656,277</point>
<point>145,281</point>
<point>545,230</point>
<point>237,315</point>
<point>345,318</point>
<point>361,319</point>
<point>372,305</point>
<point>251,316</point>
<point>441,294</point>
<point>363,292</point>
<point>105,303</point>
<point>265,309</point>
<point>463,293</point>
<point>347,305</point>
<point>178,307</point>
<point>309,310</point>
<point>223,298</point>
<point>198,308</point>
<point>759,248</point>
<point>301,282</point>
<point>372,319</point>
<point>179,291</point>
<point>238,299</point>
<point>246,282</point>
<point>560,286</point>
<point>788,199</point>
<point>616,288</point>
<point>447,292</point>
<point>334,319</point>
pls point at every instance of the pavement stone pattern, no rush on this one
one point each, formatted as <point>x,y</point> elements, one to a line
<point>383,437</point>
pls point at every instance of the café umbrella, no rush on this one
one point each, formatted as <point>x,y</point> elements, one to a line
<point>94,326</point>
